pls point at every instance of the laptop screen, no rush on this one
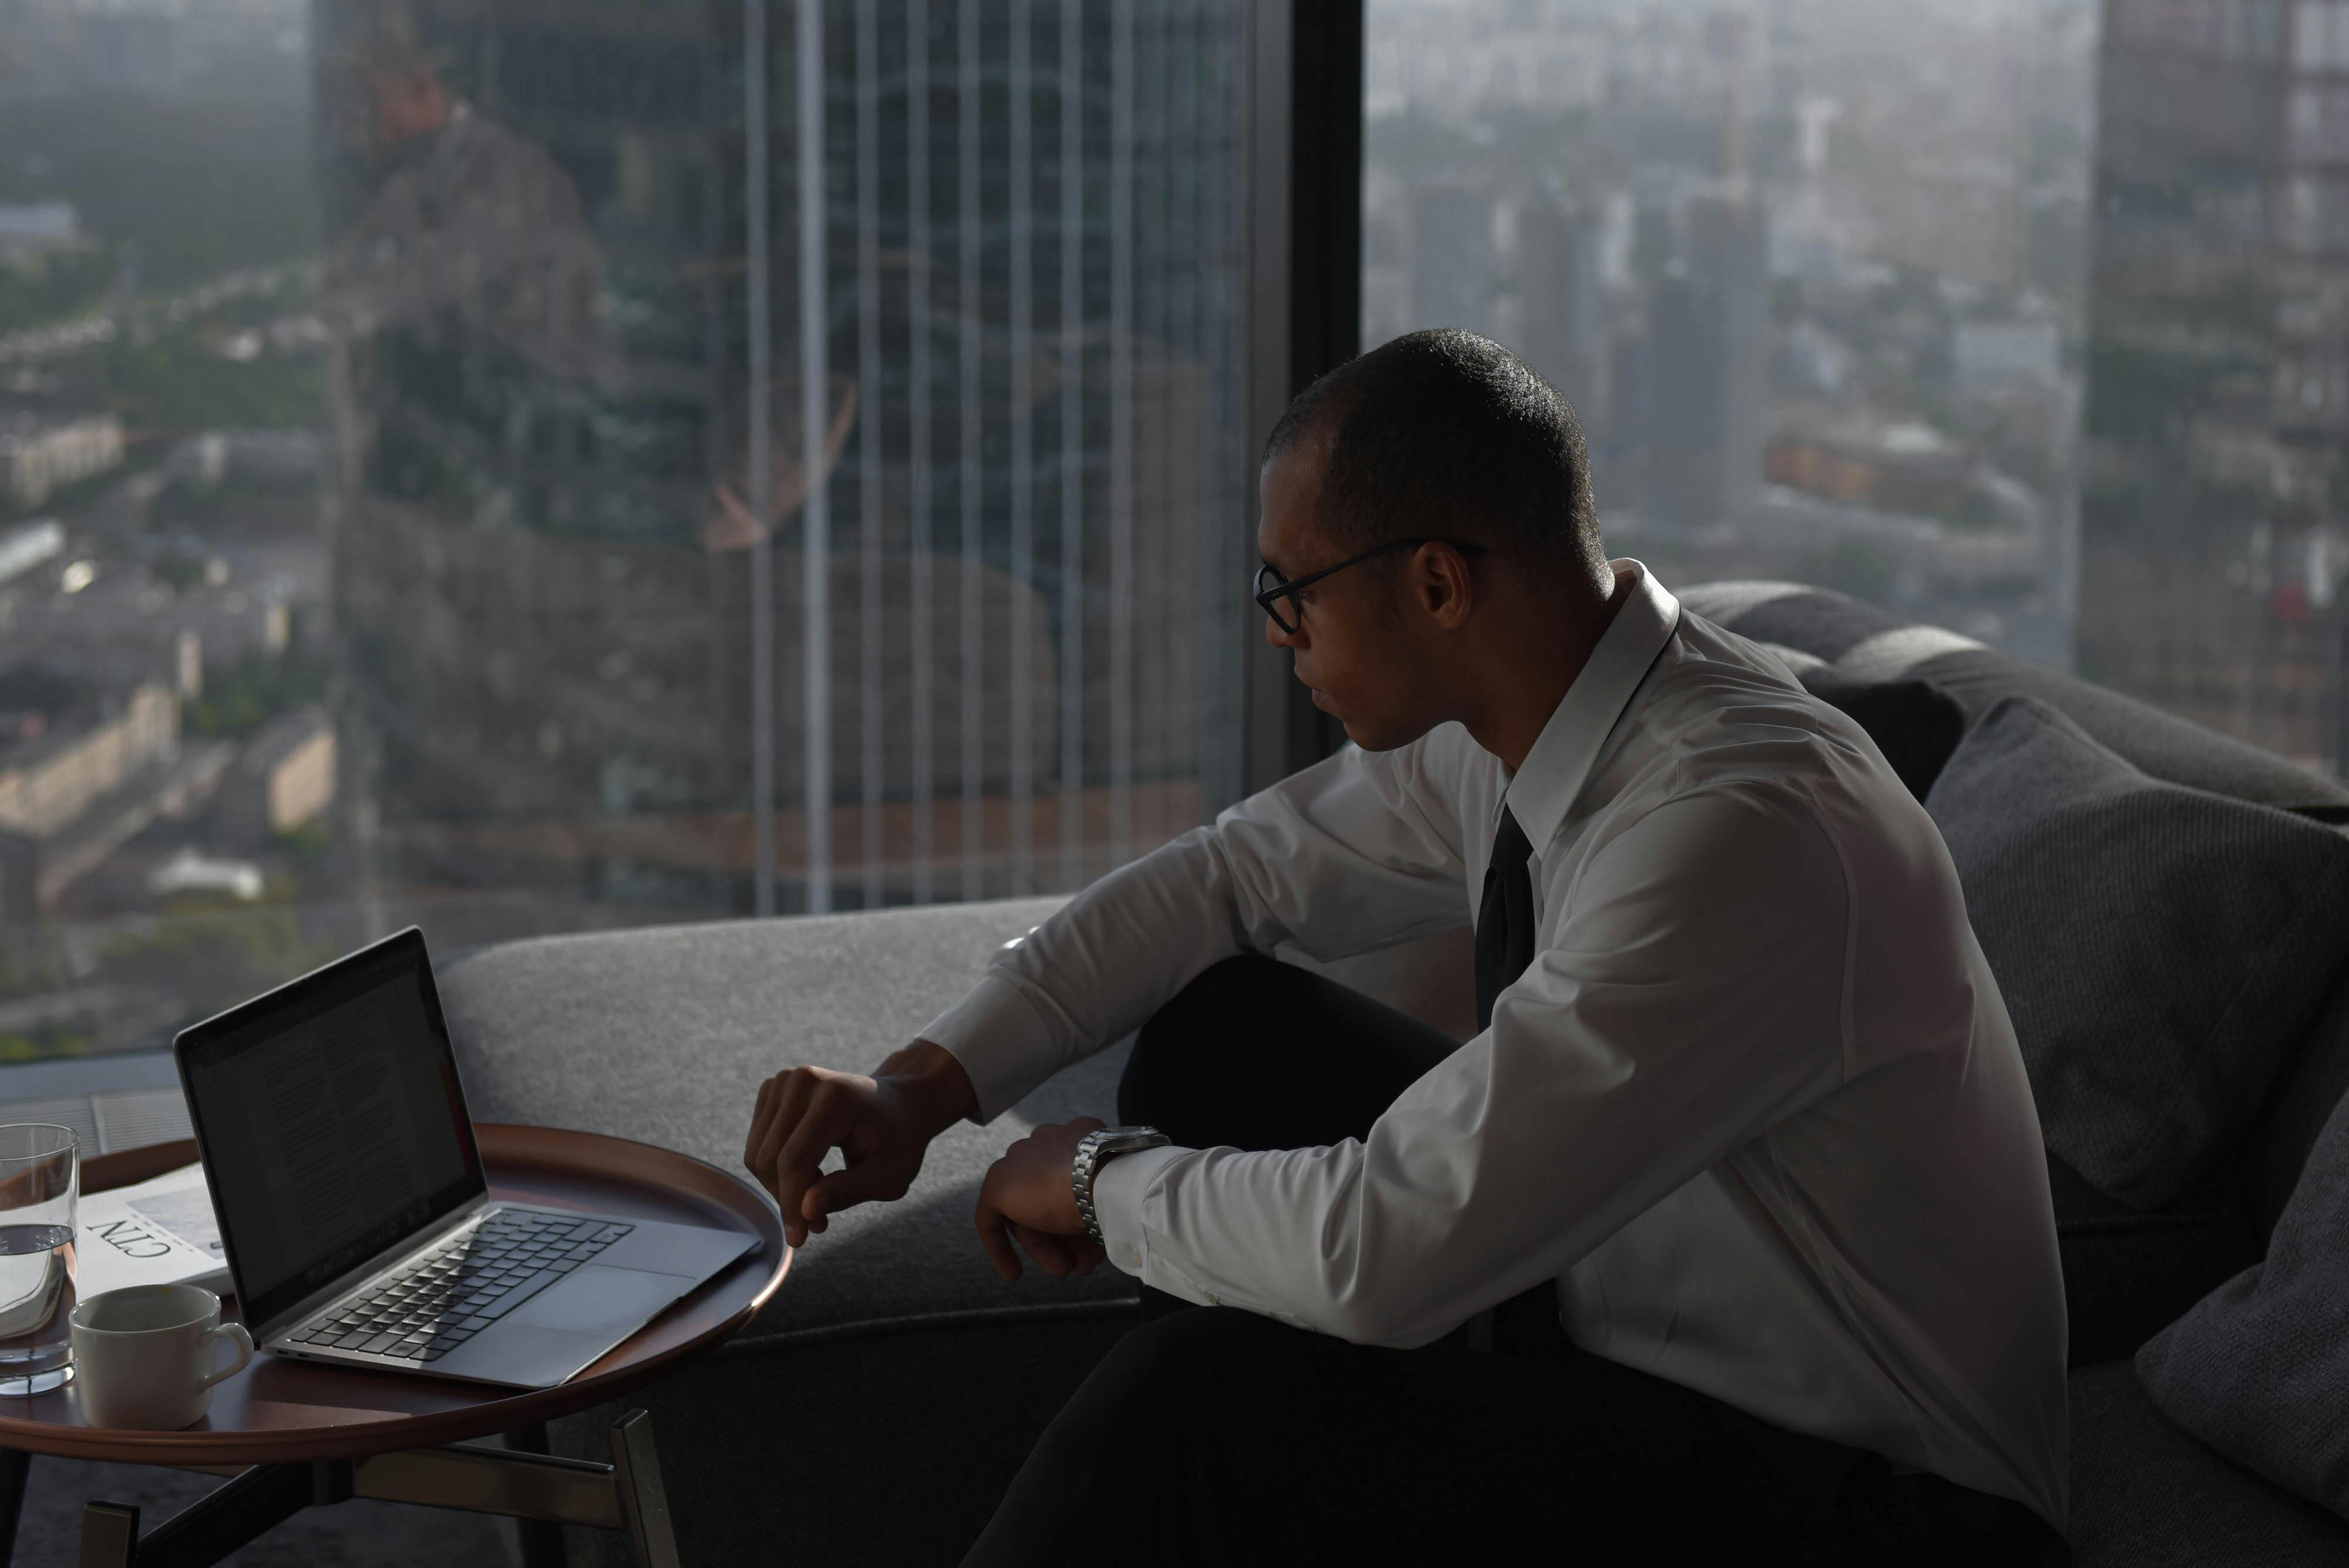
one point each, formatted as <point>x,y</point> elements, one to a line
<point>331,1122</point>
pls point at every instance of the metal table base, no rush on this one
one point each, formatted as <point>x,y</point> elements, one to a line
<point>539,1489</point>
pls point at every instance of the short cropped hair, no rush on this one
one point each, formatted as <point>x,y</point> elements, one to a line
<point>1444,434</point>
<point>382,47</point>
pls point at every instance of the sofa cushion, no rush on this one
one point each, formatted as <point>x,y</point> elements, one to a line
<point>2160,948</point>
<point>2127,1272</point>
<point>2146,1495</point>
<point>2259,1369</point>
<point>1864,643</point>
<point>665,1035</point>
<point>2275,1151</point>
<point>1820,622</point>
<point>1914,723</point>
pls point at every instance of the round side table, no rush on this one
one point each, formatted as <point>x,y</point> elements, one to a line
<point>295,1434</point>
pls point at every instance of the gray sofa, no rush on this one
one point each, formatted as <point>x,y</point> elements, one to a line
<point>875,1411</point>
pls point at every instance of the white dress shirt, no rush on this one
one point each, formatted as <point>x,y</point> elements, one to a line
<point>1756,1107</point>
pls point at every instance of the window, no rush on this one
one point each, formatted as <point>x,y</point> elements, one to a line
<point>2018,317</point>
<point>2321,39</point>
<point>521,469</point>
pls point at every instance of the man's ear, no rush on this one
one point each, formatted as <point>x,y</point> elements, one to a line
<point>1445,589</point>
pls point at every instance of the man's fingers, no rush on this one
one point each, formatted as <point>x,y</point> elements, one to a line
<point>790,1092</point>
<point>828,1120</point>
<point>760,1153</point>
<point>759,1114</point>
<point>799,1140</point>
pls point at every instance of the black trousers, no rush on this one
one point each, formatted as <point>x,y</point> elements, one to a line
<point>1217,1436</point>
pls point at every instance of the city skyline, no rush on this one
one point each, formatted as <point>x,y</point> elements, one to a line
<point>332,594</point>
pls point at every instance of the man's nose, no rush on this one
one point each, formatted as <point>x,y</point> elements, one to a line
<point>1279,637</point>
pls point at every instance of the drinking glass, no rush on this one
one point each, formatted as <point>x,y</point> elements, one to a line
<point>40,1178</point>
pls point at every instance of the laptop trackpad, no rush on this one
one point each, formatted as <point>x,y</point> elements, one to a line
<point>598,1300</point>
<point>566,1326</point>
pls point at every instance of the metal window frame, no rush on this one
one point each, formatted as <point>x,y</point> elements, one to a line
<point>1305,283</point>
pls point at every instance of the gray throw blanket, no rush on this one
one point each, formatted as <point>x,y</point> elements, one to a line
<point>2259,1369</point>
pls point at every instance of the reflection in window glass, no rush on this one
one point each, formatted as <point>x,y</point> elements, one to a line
<point>523,467</point>
<point>2025,317</point>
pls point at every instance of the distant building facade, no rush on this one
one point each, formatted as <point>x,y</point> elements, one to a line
<point>1451,272</point>
<point>1689,392</point>
<point>1562,302</point>
<point>1870,462</point>
<point>40,456</point>
<point>27,226</point>
<point>2215,498</point>
<point>49,781</point>
<point>283,779</point>
<point>23,547</point>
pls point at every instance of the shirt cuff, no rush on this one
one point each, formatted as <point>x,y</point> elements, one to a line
<point>1120,1188</point>
<point>1001,1040</point>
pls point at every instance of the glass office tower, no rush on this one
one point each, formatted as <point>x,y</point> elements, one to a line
<point>2215,503</point>
<point>807,437</point>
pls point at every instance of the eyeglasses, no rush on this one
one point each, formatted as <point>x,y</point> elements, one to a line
<point>1271,588</point>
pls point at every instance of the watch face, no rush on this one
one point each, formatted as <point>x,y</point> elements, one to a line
<point>1125,1140</point>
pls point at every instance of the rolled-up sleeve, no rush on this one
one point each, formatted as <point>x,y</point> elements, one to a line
<point>1356,853</point>
<point>1690,997</point>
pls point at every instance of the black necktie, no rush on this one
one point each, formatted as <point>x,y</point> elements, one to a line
<point>1524,1324</point>
<point>1505,921</point>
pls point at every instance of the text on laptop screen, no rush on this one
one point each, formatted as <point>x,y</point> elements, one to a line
<point>333,1126</point>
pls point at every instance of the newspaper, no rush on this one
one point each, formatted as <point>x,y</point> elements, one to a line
<point>159,1232</point>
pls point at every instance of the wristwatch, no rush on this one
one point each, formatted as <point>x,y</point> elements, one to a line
<point>1095,1150</point>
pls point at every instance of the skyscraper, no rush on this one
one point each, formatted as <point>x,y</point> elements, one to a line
<point>1691,396</point>
<point>1562,302</point>
<point>2215,501</point>
<point>1452,256</point>
<point>973,417</point>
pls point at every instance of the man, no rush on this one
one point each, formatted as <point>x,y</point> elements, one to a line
<point>469,218</point>
<point>1746,1114</point>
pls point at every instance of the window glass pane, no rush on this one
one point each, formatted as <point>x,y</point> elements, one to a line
<point>523,467</point>
<point>2022,317</point>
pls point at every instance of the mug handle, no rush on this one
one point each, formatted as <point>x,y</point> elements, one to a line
<point>234,1332</point>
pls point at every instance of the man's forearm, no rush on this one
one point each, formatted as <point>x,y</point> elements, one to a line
<point>933,1083</point>
<point>1336,859</point>
<point>1098,968</point>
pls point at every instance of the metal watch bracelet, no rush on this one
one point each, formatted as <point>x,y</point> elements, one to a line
<point>1096,1150</point>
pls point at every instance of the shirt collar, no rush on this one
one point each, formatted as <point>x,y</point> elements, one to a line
<point>1559,764</point>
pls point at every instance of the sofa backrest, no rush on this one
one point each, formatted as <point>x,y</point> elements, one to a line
<point>1865,644</point>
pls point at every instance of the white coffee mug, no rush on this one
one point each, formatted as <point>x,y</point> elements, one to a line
<point>147,1356</point>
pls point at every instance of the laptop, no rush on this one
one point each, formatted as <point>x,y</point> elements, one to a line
<point>352,1206</point>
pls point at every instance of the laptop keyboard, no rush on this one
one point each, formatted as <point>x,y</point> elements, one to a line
<point>453,1292</point>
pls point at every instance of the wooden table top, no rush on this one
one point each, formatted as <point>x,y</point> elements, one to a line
<point>278,1409</point>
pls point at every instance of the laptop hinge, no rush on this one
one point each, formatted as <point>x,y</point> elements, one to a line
<point>352,1282</point>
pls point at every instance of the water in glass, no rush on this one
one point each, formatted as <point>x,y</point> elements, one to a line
<point>39,1182</point>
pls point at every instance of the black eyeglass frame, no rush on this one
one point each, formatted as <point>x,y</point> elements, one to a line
<point>1287,588</point>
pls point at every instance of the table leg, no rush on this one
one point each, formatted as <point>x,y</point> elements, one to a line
<point>636,1467</point>
<point>110,1535</point>
<point>13,1465</point>
<point>541,1539</point>
<point>230,1516</point>
<point>625,1495</point>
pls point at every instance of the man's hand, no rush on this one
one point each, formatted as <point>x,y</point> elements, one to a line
<point>1027,1194</point>
<point>882,1125</point>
